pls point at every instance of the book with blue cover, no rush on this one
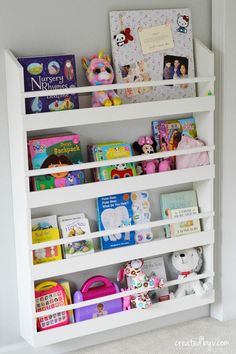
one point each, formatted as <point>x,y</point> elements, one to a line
<point>115,211</point>
<point>176,205</point>
<point>48,73</point>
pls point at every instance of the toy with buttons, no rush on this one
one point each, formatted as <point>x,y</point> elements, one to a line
<point>135,278</point>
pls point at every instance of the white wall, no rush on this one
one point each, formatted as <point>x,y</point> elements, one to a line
<point>49,27</point>
<point>224,46</point>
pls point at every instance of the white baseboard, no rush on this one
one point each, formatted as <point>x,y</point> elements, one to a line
<point>75,344</point>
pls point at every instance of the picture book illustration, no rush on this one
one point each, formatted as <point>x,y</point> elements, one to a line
<point>124,210</point>
<point>168,134</point>
<point>150,45</point>
<point>176,205</point>
<point>76,227</point>
<point>109,151</point>
<point>45,229</point>
<point>47,73</point>
<point>56,151</point>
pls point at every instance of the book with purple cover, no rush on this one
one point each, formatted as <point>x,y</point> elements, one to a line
<point>48,73</point>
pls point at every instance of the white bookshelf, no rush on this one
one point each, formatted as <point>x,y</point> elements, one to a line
<point>27,203</point>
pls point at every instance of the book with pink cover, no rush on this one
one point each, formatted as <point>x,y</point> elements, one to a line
<point>55,151</point>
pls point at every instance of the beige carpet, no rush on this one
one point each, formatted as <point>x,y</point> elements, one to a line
<point>200,336</point>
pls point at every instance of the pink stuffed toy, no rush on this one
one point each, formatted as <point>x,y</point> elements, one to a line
<point>99,72</point>
<point>146,145</point>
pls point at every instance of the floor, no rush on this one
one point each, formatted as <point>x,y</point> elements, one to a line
<point>200,336</point>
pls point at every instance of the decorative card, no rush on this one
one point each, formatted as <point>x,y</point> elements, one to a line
<point>150,45</point>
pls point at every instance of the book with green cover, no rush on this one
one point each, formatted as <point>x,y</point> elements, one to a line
<point>176,205</point>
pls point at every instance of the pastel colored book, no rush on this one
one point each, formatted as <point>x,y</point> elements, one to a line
<point>55,151</point>
<point>70,217</point>
<point>152,45</point>
<point>168,134</point>
<point>122,210</point>
<point>48,73</point>
<point>45,229</point>
<point>180,204</point>
<point>76,227</point>
<point>109,151</point>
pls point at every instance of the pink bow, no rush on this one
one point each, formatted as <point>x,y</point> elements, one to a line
<point>145,140</point>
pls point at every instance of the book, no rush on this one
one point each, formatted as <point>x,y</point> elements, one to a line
<point>156,267</point>
<point>109,151</point>
<point>48,73</point>
<point>55,151</point>
<point>45,229</point>
<point>70,217</point>
<point>122,210</point>
<point>150,45</point>
<point>76,226</point>
<point>180,204</point>
<point>168,134</point>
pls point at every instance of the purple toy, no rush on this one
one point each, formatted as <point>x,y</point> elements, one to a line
<point>88,291</point>
<point>99,72</point>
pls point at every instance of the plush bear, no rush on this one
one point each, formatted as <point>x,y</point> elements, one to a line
<point>187,263</point>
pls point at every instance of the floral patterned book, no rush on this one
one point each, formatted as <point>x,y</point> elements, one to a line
<point>152,45</point>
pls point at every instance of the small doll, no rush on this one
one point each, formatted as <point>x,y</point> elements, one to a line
<point>137,279</point>
<point>146,145</point>
<point>99,72</point>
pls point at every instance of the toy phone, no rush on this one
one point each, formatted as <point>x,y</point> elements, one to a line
<point>49,295</point>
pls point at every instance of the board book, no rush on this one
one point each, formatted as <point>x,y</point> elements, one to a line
<point>168,133</point>
<point>45,229</point>
<point>55,151</point>
<point>76,226</point>
<point>48,73</point>
<point>150,45</point>
<point>122,210</point>
<point>109,151</point>
<point>176,205</point>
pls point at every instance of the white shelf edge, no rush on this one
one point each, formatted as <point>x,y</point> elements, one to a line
<point>119,255</point>
<point>87,116</point>
<point>139,158</point>
<point>96,234</point>
<point>121,319</point>
<point>123,185</point>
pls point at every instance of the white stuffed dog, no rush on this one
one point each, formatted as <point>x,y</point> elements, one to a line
<point>187,263</point>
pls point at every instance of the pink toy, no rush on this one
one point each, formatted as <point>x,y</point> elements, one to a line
<point>99,72</point>
<point>146,145</point>
<point>191,160</point>
<point>137,279</point>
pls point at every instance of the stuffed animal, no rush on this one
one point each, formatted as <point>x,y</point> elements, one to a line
<point>137,279</point>
<point>187,263</point>
<point>99,72</point>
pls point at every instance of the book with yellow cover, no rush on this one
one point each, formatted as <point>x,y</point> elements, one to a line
<point>45,229</point>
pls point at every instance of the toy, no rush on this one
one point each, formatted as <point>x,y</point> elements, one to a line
<point>88,291</point>
<point>146,145</point>
<point>99,72</point>
<point>137,279</point>
<point>188,263</point>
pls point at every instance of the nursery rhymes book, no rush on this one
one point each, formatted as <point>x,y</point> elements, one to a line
<point>122,210</point>
<point>168,133</point>
<point>45,229</point>
<point>109,151</point>
<point>55,151</point>
<point>48,73</point>
<point>76,227</point>
<point>150,45</point>
<point>176,205</point>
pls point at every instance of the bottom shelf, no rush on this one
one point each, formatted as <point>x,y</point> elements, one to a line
<point>120,319</point>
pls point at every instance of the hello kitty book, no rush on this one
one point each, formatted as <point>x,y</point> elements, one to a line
<point>150,45</point>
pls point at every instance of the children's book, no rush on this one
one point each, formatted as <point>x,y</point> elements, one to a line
<point>45,229</point>
<point>71,217</point>
<point>150,45</point>
<point>109,151</point>
<point>176,205</point>
<point>168,134</point>
<point>48,73</point>
<point>76,227</point>
<point>156,267</point>
<point>55,151</point>
<point>122,210</point>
